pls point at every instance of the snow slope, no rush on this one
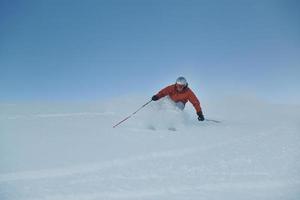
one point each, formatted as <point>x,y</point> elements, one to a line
<point>69,151</point>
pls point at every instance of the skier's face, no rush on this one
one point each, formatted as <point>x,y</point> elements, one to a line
<point>179,87</point>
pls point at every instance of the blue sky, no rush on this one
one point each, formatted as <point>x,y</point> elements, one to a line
<point>90,50</point>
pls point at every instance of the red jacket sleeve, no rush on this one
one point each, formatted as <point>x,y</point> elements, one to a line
<point>194,100</point>
<point>166,91</point>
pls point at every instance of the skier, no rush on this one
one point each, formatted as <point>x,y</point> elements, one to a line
<point>180,93</point>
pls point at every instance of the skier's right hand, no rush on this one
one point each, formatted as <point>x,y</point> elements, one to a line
<point>154,98</point>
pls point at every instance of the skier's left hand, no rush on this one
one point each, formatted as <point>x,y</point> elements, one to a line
<point>200,116</point>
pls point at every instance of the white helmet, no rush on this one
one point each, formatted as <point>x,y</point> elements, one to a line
<point>181,81</point>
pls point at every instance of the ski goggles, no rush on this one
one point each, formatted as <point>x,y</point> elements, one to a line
<point>179,86</point>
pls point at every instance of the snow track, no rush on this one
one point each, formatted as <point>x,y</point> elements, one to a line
<point>77,155</point>
<point>90,168</point>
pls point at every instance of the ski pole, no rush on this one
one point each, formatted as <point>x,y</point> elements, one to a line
<point>212,120</point>
<point>132,114</point>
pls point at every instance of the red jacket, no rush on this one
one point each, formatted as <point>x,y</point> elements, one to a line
<point>184,96</point>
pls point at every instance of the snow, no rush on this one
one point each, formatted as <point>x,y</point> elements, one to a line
<point>69,151</point>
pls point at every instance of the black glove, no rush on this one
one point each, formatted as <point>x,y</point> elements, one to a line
<point>200,116</point>
<point>155,98</point>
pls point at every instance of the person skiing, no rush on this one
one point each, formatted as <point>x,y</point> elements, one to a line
<point>180,93</point>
